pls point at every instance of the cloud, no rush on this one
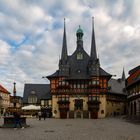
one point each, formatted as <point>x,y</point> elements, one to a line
<point>31,36</point>
<point>4,52</point>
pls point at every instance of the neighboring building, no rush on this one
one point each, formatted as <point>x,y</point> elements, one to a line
<point>80,87</point>
<point>133,90</point>
<point>4,99</point>
<point>116,97</point>
<point>18,100</point>
<point>37,94</point>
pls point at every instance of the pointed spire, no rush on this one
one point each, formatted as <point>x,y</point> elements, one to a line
<point>93,53</point>
<point>98,58</point>
<point>123,75</point>
<point>64,45</point>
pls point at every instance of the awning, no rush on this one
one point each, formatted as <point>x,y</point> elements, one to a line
<point>31,107</point>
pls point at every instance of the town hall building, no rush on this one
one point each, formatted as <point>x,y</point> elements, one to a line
<point>81,88</point>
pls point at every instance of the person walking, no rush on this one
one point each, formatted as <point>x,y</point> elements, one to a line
<point>39,115</point>
<point>44,115</point>
<point>17,120</point>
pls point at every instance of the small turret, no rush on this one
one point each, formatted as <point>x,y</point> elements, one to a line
<point>79,33</point>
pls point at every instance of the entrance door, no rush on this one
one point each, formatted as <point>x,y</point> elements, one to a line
<point>78,107</point>
<point>78,104</point>
<point>63,114</point>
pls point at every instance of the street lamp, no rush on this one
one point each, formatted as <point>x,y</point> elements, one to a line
<point>14,95</point>
<point>0,105</point>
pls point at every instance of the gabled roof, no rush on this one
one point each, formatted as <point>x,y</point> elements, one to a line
<point>2,89</point>
<point>117,86</point>
<point>42,91</point>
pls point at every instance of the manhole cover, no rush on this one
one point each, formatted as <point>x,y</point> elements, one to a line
<point>49,131</point>
<point>68,124</point>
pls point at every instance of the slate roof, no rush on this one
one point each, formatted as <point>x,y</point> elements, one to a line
<point>116,86</point>
<point>42,91</point>
<point>79,68</point>
<point>104,73</point>
<point>73,67</point>
<point>56,74</point>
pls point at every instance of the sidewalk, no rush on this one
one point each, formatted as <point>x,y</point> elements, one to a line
<point>74,129</point>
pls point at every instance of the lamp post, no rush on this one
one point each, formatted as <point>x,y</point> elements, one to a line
<point>0,105</point>
<point>14,95</point>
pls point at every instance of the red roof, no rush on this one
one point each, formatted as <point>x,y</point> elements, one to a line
<point>2,89</point>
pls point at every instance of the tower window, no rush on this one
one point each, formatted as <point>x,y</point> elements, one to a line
<point>79,56</point>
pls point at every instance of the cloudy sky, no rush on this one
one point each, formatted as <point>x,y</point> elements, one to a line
<point>31,36</point>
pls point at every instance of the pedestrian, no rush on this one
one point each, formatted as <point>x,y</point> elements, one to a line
<point>6,114</point>
<point>44,115</point>
<point>17,120</point>
<point>39,115</point>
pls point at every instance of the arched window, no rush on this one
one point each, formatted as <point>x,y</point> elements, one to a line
<point>32,99</point>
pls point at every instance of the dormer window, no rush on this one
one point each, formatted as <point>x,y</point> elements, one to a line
<point>32,99</point>
<point>79,56</point>
<point>32,92</point>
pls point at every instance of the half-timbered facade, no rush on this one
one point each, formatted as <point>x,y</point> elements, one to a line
<point>133,90</point>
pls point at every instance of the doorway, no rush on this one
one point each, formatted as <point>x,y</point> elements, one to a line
<point>78,107</point>
<point>78,104</point>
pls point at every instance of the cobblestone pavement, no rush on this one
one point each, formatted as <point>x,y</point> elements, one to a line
<point>73,129</point>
